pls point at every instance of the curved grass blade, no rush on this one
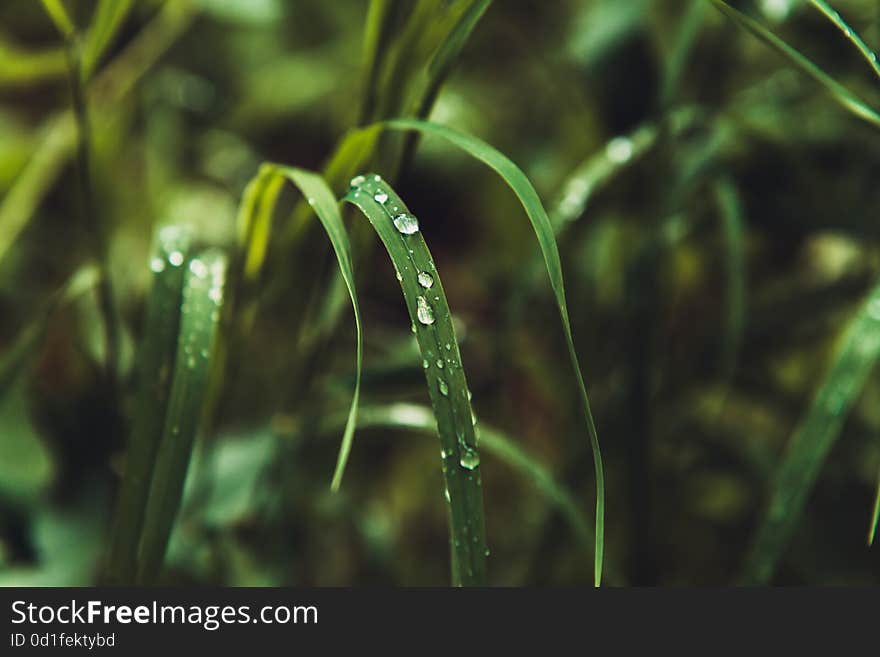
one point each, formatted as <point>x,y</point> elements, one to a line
<point>814,438</point>
<point>864,49</point>
<point>255,224</point>
<point>522,187</point>
<point>203,291</point>
<point>447,387</point>
<point>844,97</point>
<point>156,363</point>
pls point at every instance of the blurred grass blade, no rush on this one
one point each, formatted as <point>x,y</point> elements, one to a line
<point>447,387</point>
<point>108,17</point>
<point>875,516</point>
<point>420,418</point>
<point>203,291</point>
<point>734,271</point>
<point>255,224</point>
<point>156,363</point>
<point>16,358</point>
<point>377,30</point>
<point>814,438</point>
<point>60,17</point>
<point>864,49</point>
<point>841,94</point>
<point>527,195</point>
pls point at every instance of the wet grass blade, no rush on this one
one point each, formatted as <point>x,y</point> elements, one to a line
<point>255,225</point>
<point>844,97</point>
<point>447,386</point>
<point>56,11</point>
<point>525,191</point>
<point>156,363</point>
<point>203,291</point>
<point>864,49</point>
<point>814,438</point>
<point>496,443</point>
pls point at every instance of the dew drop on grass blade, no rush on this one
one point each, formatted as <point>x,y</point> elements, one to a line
<point>432,324</point>
<point>814,438</point>
<point>528,197</point>
<point>155,370</point>
<point>254,229</point>
<point>864,49</point>
<point>203,291</point>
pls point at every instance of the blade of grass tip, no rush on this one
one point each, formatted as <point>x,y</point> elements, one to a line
<point>108,17</point>
<point>254,229</point>
<point>495,442</point>
<point>875,516</point>
<point>203,292</point>
<point>525,192</point>
<point>156,362</point>
<point>844,97</point>
<point>814,438</point>
<point>834,16</point>
<point>447,386</point>
<point>26,343</point>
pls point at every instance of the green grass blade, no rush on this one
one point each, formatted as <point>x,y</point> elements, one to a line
<point>56,11</point>
<point>734,271</point>
<point>447,386</point>
<point>156,362</point>
<point>108,17</point>
<point>864,49</point>
<point>255,218</point>
<point>875,516</point>
<point>527,195</point>
<point>16,358</point>
<point>814,438</point>
<point>495,442</point>
<point>203,291</point>
<point>844,97</point>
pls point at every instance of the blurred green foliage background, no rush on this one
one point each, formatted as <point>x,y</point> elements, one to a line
<point>722,234</point>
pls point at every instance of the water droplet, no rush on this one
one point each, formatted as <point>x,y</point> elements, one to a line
<point>469,458</point>
<point>216,295</point>
<point>377,178</point>
<point>424,312</point>
<point>446,495</point>
<point>412,327</point>
<point>425,279</point>
<point>440,363</point>
<point>448,347</point>
<point>198,268</point>
<point>406,224</point>
<point>425,364</point>
<point>444,389</point>
<point>176,258</point>
<point>380,197</point>
<point>357,181</point>
<point>619,150</point>
<point>397,274</point>
<point>157,265</point>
